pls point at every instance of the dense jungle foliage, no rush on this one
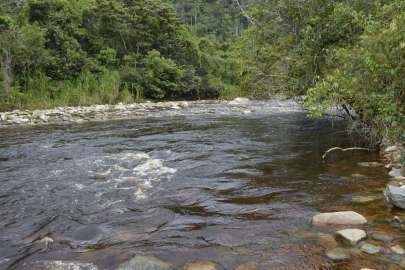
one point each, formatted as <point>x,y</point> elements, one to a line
<point>346,55</point>
<point>80,52</point>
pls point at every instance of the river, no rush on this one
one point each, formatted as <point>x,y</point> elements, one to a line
<point>227,187</point>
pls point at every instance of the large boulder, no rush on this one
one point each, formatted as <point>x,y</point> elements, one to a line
<point>396,196</point>
<point>146,263</point>
<point>338,218</point>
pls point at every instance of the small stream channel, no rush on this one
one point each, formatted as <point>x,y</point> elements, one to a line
<point>227,187</point>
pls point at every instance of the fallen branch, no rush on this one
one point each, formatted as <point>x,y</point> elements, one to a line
<point>347,149</point>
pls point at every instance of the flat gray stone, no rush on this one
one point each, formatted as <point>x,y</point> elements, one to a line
<point>382,237</point>
<point>396,196</point>
<point>396,173</point>
<point>369,249</point>
<point>351,236</point>
<point>146,263</point>
<point>338,254</point>
<point>338,218</point>
<point>365,199</point>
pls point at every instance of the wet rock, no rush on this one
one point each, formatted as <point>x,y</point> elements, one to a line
<point>351,236</point>
<point>241,100</point>
<point>370,164</point>
<point>246,112</point>
<point>338,254</point>
<point>395,196</point>
<point>242,106</point>
<point>233,104</point>
<point>397,249</point>
<point>369,248</point>
<point>402,263</point>
<point>396,173</point>
<point>203,265</point>
<point>326,240</point>
<point>338,218</point>
<point>146,263</point>
<point>247,266</point>
<point>382,237</point>
<point>365,199</point>
<point>59,265</point>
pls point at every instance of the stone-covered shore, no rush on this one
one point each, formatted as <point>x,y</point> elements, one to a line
<point>83,114</point>
<point>121,111</point>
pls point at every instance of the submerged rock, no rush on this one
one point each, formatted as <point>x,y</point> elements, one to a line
<point>396,196</point>
<point>370,164</point>
<point>338,254</point>
<point>338,218</point>
<point>59,265</point>
<point>351,236</point>
<point>203,265</point>
<point>326,240</point>
<point>365,199</point>
<point>369,248</point>
<point>146,263</point>
<point>382,237</point>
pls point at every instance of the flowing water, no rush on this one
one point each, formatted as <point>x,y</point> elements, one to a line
<point>227,187</point>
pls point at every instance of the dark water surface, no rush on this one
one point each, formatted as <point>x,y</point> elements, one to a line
<point>231,188</point>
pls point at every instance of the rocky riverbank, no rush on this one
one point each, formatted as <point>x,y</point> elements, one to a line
<point>121,111</point>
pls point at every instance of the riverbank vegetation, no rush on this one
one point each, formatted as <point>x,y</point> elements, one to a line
<point>63,52</point>
<point>338,54</point>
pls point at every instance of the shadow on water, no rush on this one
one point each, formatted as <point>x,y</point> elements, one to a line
<point>226,188</point>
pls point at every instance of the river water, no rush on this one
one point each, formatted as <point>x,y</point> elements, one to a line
<point>227,187</point>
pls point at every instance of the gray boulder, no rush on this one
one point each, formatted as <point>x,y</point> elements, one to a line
<point>395,196</point>
<point>396,173</point>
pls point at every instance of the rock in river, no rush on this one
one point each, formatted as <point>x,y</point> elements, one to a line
<point>203,265</point>
<point>338,254</point>
<point>382,237</point>
<point>146,263</point>
<point>351,236</point>
<point>370,249</point>
<point>338,218</point>
<point>396,173</point>
<point>396,196</point>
